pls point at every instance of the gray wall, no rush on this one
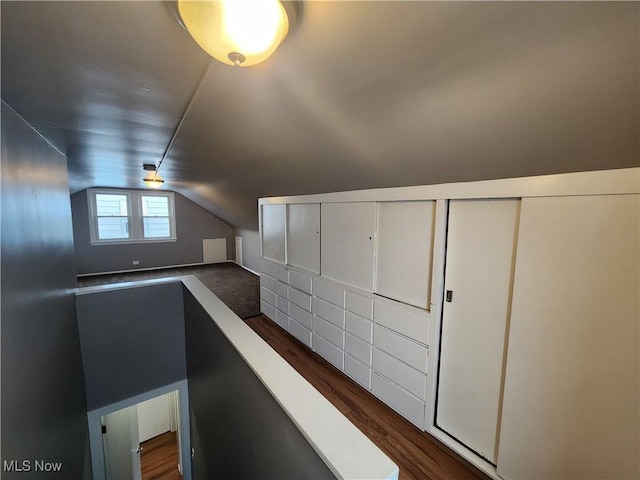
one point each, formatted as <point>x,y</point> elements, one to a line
<point>238,430</point>
<point>193,223</point>
<point>132,341</point>
<point>43,398</point>
<point>250,248</point>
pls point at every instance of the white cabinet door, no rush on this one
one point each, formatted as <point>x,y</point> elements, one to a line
<point>572,396</point>
<point>347,245</point>
<point>403,258</point>
<point>304,236</point>
<point>273,232</point>
<point>479,271</point>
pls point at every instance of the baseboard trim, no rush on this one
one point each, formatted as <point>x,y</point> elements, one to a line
<point>247,269</point>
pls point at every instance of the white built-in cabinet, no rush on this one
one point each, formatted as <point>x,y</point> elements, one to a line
<point>347,244</point>
<point>501,317</point>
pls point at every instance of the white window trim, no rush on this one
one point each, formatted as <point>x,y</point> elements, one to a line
<point>134,209</point>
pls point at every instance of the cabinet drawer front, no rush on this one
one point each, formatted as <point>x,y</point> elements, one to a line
<point>300,315</point>
<point>400,373</point>
<point>357,371</point>
<point>363,306</point>
<point>328,292</point>
<point>328,351</point>
<point>300,281</point>
<point>400,400</point>
<point>410,324</point>
<point>282,274</point>
<point>269,310</point>
<point>357,348</point>
<point>282,319</point>
<point>359,326</point>
<point>400,347</point>
<point>329,312</point>
<point>282,304</point>
<point>269,297</point>
<point>268,268</point>
<point>268,282</point>
<point>301,299</point>
<point>282,289</point>
<point>300,332</point>
<point>329,331</point>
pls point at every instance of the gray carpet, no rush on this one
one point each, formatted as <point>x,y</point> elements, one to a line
<point>238,288</point>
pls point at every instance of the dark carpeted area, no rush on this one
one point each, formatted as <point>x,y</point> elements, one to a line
<point>238,288</point>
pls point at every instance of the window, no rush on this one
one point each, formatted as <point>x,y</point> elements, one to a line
<point>130,216</point>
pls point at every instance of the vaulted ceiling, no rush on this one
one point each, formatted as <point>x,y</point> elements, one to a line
<point>361,95</point>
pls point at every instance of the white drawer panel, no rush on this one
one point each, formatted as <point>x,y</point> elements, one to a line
<point>410,324</point>
<point>357,371</point>
<point>282,289</point>
<point>329,311</point>
<point>328,292</point>
<point>400,400</point>
<point>268,282</point>
<point>299,332</point>
<point>300,281</point>
<point>269,297</point>
<point>359,326</point>
<point>329,331</point>
<point>282,319</point>
<point>269,268</point>
<point>357,348</point>
<point>269,310</point>
<point>400,373</point>
<point>400,347</point>
<point>282,274</point>
<point>282,304</point>
<point>300,315</point>
<point>363,306</point>
<point>328,351</point>
<point>300,298</point>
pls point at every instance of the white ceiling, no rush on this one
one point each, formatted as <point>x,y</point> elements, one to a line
<point>361,95</point>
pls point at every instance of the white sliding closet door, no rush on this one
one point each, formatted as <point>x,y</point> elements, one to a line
<point>481,243</point>
<point>274,220</point>
<point>572,388</point>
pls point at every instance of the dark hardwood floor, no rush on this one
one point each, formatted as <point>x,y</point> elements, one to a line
<point>417,454</point>
<point>159,458</point>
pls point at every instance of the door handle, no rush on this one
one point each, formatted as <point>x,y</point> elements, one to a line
<point>139,449</point>
<point>449,296</point>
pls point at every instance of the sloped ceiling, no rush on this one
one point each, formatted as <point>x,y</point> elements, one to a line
<point>361,95</point>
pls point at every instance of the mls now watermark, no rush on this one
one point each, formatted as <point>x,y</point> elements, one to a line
<point>31,466</point>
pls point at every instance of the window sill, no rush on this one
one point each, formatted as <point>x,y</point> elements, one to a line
<point>129,242</point>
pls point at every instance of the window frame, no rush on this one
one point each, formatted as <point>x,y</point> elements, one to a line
<point>135,217</point>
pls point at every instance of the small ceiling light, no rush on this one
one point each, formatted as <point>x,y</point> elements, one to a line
<point>152,181</point>
<point>237,32</point>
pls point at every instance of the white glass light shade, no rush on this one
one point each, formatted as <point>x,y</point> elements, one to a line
<point>225,28</point>
<point>153,182</point>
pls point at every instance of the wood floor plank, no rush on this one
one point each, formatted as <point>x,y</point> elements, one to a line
<point>417,454</point>
<point>159,458</point>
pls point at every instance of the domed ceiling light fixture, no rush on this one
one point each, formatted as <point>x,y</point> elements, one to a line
<point>237,32</point>
<point>152,181</point>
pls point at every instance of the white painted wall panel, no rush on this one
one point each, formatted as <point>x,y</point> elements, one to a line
<point>273,232</point>
<point>347,245</point>
<point>300,281</point>
<point>304,236</point>
<point>404,251</point>
<point>571,398</point>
